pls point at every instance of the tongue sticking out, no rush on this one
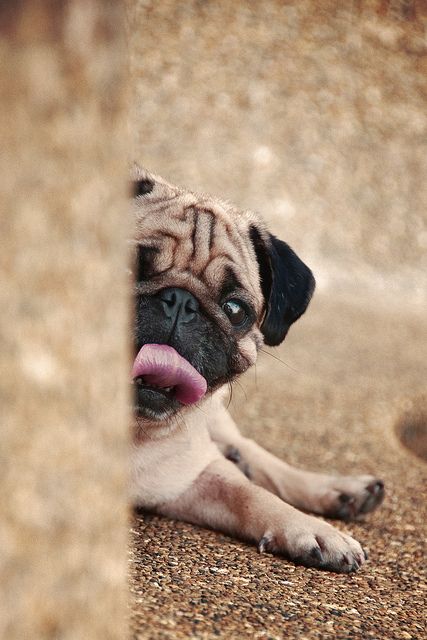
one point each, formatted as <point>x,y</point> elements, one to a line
<point>162,366</point>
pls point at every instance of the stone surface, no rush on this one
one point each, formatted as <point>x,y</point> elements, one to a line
<point>314,114</point>
<point>63,326</point>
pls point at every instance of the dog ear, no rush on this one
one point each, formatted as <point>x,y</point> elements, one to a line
<point>142,181</point>
<point>286,282</point>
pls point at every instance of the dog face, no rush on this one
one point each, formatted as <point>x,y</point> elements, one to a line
<point>211,286</point>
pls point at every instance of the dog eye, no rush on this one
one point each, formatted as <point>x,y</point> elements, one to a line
<point>235,311</point>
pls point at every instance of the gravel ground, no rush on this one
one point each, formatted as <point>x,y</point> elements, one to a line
<point>353,371</point>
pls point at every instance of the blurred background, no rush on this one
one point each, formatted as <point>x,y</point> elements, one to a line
<point>312,113</point>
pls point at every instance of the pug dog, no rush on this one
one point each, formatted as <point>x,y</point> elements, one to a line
<point>212,286</point>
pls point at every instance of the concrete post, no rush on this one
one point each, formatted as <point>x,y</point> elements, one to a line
<point>63,322</point>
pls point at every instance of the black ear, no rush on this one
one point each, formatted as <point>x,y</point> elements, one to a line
<point>286,283</point>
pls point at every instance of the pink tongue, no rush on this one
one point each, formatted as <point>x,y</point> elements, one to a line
<point>162,366</point>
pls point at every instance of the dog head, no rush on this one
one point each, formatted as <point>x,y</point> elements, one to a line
<point>212,285</point>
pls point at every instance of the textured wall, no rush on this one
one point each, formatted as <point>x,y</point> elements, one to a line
<point>63,351</point>
<point>314,113</point>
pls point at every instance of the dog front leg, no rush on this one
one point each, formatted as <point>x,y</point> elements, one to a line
<point>343,497</point>
<point>223,499</point>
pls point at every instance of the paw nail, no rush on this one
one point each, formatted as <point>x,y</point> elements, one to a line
<point>376,487</point>
<point>355,566</point>
<point>321,543</point>
<point>263,544</point>
<point>316,554</point>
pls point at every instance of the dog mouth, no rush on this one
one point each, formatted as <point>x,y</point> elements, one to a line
<point>163,380</point>
<point>140,382</point>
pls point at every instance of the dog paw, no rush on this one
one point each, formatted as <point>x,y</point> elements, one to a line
<point>349,497</point>
<point>313,543</point>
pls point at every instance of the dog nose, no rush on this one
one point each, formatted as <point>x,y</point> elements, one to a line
<point>179,305</point>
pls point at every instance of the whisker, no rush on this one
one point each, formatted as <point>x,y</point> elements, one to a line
<point>242,388</point>
<point>196,406</point>
<point>178,421</point>
<point>140,429</point>
<point>279,359</point>
<point>230,397</point>
<point>183,423</point>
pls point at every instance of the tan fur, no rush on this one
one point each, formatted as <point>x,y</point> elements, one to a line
<point>179,467</point>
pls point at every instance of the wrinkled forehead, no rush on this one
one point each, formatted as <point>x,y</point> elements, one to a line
<point>199,236</point>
